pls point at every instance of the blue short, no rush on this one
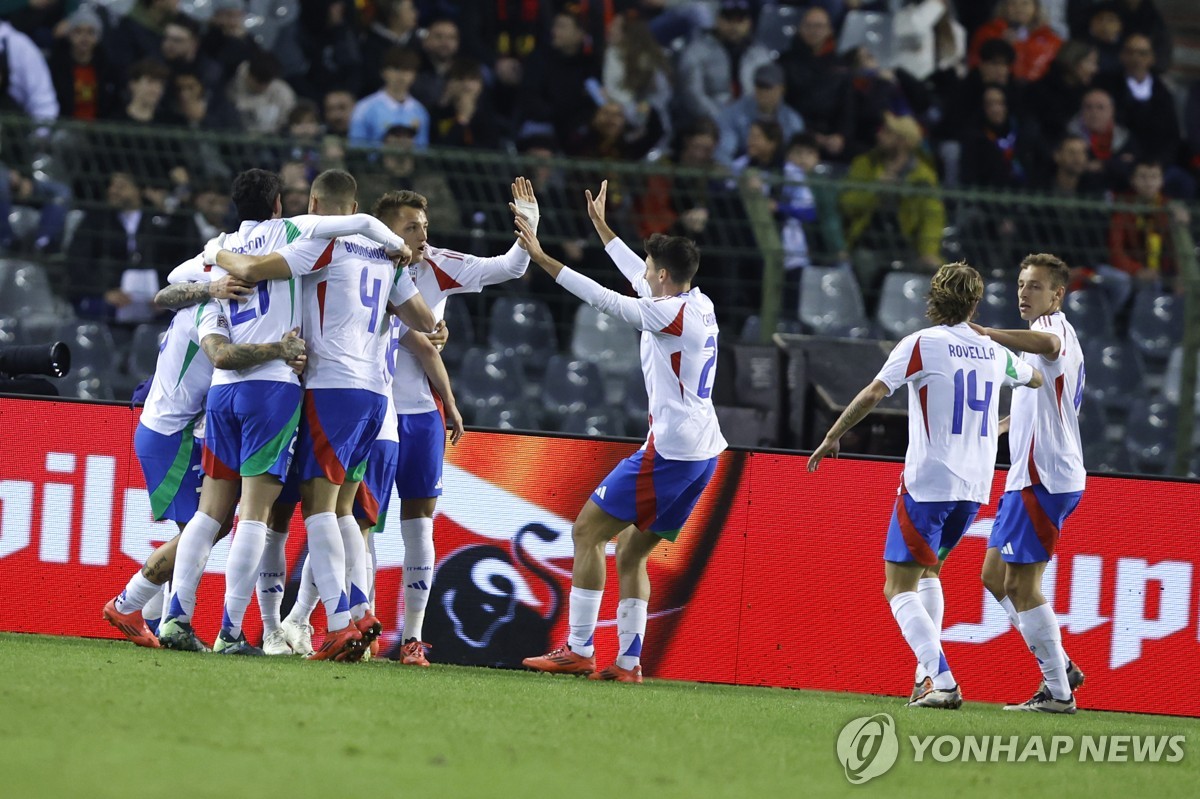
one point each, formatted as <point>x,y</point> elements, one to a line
<point>652,493</point>
<point>1029,522</point>
<point>171,465</point>
<point>925,532</point>
<point>422,450</point>
<point>339,426</point>
<point>251,429</point>
<point>375,491</point>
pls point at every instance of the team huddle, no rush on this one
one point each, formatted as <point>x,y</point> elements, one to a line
<point>303,366</point>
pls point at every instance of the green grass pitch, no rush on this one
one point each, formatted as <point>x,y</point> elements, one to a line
<point>97,719</point>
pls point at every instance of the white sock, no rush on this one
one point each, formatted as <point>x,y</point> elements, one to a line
<point>372,560</point>
<point>356,566</point>
<point>922,637</point>
<point>137,593</point>
<point>1039,627</point>
<point>271,571</point>
<point>584,610</point>
<point>929,591</point>
<point>631,631</point>
<point>306,598</point>
<point>1011,610</point>
<point>327,555</point>
<point>191,555</point>
<point>419,559</point>
<point>241,572</point>
<point>154,608</point>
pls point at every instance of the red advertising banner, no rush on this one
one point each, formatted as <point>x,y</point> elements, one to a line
<point>777,580</point>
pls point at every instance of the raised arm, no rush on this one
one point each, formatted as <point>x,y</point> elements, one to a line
<point>424,350</point>
<point>332,227</point>
<point>630,264</point>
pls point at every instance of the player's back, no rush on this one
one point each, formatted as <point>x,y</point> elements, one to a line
<point>679,364</point>
<point>346,326</point>
<point>182,374</point>
<point>1044,442</point>
<point>271,311</point>
<point>954,377</point>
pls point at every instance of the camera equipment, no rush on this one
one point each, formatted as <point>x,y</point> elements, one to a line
<point>52,360</point>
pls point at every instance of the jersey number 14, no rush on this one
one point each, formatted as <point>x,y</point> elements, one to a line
<point>966,396</point>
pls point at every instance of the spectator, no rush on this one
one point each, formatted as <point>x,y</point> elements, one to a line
<point>181,52</point>
<point>997,153</point>
<point>1023,25</point>
<point>329,40</point>
<point>304,137</point>
<point>1146,108</point>
<point>818,85</point>
<point>1078,235</point>
<point>212,211</point>
<point>147,84</point>
<point>1053,100</point>
<point>1105,33</point>
<point>875,92</point>
<point>83,78</point>
<point>25,80</point>
<point>392,105</point>
<point>765,103</point>
<point>554,94</point>
<point>194,106</point>
<point>400,169</point>
<point>463,116</point>
<point>260,95</point>
<point>439,49</point>
<point>1143,17</point>
<point>764,151</point>
<point>811,229</point>
<point>607,137</point>
<point>1141,244</point>
<point>337,110</point>
<point>963,102</point>
<point>718,66</point>
<point>41,20</point>
<point>395,26</point>
<point>50,197</point>
<point>928,39</point>
<point>1111,149</point>
<point>665,198</point>
<point>139,33</point>
<point>121,254</point>
<point>226,42</point>
<point>884,220</point>
<point>635,72</point>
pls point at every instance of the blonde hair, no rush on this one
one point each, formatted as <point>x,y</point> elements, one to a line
<point>953,294</point>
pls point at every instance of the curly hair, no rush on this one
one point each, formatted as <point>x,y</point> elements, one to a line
<point>953,294</point>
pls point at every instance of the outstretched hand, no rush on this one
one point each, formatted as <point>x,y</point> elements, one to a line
<point>528,239</point>
<point>827,449</point>
<point>595,205</point>
<point>522,191</point>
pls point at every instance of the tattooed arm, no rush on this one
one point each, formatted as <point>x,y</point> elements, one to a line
<point>182,295</point>
<point>226,355</point>
<point>855,412</point>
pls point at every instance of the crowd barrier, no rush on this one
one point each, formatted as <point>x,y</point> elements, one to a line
<point>776,581</point>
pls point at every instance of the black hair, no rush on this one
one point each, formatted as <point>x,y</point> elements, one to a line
<point>678,255</point>
<point>254,194</point>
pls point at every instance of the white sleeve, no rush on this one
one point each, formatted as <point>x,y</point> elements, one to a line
<point>631,266</point>
<point>190,271</point>
<point>473,273</point>
<point>644,313</point>
<point>29,78</point>
<point>305,256</point>
<point>403,288</point>
<point>1016,372</point>
<point>210,319</point>
<point>903,365</point>
<point>331,227</point>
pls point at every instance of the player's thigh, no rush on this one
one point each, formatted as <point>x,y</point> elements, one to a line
<point>899,578</point>
<point>218,497</point>
<point>318,495</point>
<point>993,570</point>
<point>634,547</point>
<point>594,525</point>
<point>259,493</point>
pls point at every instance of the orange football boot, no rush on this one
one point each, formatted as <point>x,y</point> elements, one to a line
<point>132,625</point>
<point>412,653</point>
<point>344,645</point>
<point>618,674</point>
<point>561,661</point>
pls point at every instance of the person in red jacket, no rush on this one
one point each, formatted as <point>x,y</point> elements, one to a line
<point>1141,244</point>
<point>1023,25</point>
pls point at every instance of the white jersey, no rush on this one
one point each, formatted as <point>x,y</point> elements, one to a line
<point>1043,436</point>
<point>183,373</point>
<point>274,308</point>
<point>345,318</point>
<point>390,431</point>
<point>954,377</point>
<point>679,356</point>
<point>440,274</point>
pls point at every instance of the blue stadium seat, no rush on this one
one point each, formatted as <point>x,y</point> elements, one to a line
<point>998,308</point>
<point>488,380</point>
<point>143,351</point>
<point>517,416</point>
<point>1113,373</point>
<point>831,303</point>
<point>753,326</point>
<point>462,331</point>
<point>10,331</point>
<point>1156,324</point>
<point>570,386</point>
<point>604,420</point>
<point>902,304</point>
<point>93,350</point>
<point>605,341</point>
<point>636,403</point>
<point>25,290</point>
<point>523,326</point>
<point>1174,376</point>
<point>1090,314</point>
<point>1150,434</point>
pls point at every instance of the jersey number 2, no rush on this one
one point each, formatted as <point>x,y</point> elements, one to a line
<point>966,397</point>
<point>707,376</point>
<point>247,313</point>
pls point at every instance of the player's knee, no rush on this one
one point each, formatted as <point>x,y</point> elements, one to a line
<point>629,559</point>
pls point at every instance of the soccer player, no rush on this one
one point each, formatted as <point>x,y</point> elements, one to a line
<point>438,273</point>
<point>953,376</point>
<point>375,492</point>
<point>166,441</point>
<point>345,318</point>
<point>648,497</point>
<point>253,412</point>
<point>1046,479</point>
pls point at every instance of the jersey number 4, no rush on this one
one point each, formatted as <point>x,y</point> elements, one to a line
<point>966,396</point>
<point>370,299</point>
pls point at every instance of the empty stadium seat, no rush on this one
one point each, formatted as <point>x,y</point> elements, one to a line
<point>831,303</point>
<point>605,341</point>
<point>605,420</point>
<point>752,327</point>
<point>1089,312</point>
<point>143,351</point>
<point>902,304</point>
<point>488,380</point>
<point>1173,378</point>
<point>1156,324</point>
<point>570,385</point>
<point>1113,373</point>
<point>10,331</point>
<point>635,403</point>
<point>523,326</point>
<point>25,289</point>
<point>516,416</point>
<point>998,308</point>
<point>1150,434</point>
<point>93,350</point>
<point>462,331</point>
<point>776,26</point>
